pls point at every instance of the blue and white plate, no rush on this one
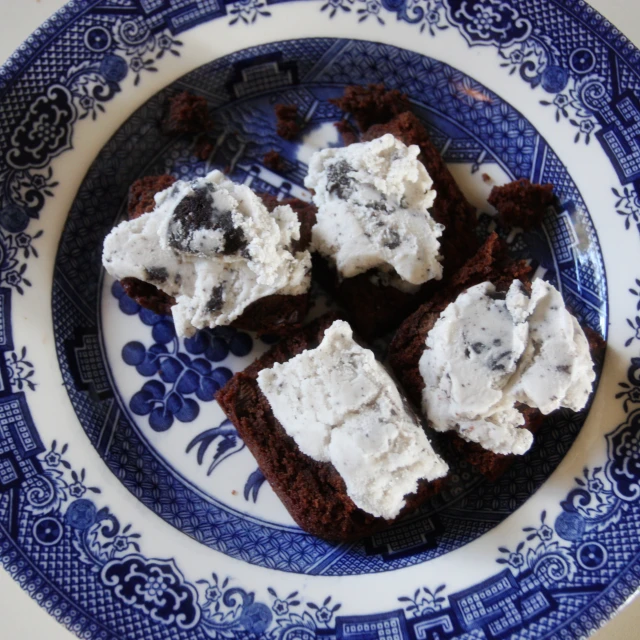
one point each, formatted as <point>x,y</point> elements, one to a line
<point>129,508</point>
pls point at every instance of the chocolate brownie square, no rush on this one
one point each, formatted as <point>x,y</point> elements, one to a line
<point>313,492</point>
<point>373,308</point>
<point>373,104</point>
<point>490,263</point>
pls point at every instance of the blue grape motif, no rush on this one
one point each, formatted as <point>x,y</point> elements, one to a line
<point>182,374</point>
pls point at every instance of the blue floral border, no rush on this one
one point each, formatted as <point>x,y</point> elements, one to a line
<point>558,577</point>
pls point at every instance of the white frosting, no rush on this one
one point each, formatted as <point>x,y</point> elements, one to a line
<point>372,201</point>
<point>341,406</point>
<point>485,353</point>
<point>212,245</point>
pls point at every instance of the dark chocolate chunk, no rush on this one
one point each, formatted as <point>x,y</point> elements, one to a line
<point>391,239</point>
<point>495,364</point>
<point>234,239</point>
<point>338,180</point>
<point>197,211</point>
<point>156,274</point>
<point>216,300</point>
<point>379,205</point>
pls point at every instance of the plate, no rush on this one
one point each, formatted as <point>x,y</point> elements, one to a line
<point>128,506</point>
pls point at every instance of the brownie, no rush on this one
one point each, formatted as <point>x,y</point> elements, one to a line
<point>274,161</point>
<point>313,492</point>
<point>521,203</point>
<point>186,113</point>
<point>375,309</point>
<point>274,315</point>
<point>491,263</point>
<point>288,123</point>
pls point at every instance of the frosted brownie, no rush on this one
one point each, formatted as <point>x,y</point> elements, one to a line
<point>214,250</point>
<point>346,455</point>
<point>487,358</point>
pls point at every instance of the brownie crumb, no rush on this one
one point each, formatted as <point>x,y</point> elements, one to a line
<point>288,124</point>
<point>347,131</point>
<point>203,149</point>
<point>306,212</point>
<point>274,161</point>
<point>142,192</point>
<point>373,104</point>
<point>186,113</point>
<point>148,296</point>
<point>521,203</point>
<point>486,178</point>
<point>597,346</point>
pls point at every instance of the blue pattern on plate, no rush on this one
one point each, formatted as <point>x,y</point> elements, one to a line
<point>483,133</point>
<point>67,552</point>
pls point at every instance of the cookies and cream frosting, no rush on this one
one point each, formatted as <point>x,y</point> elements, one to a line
<point>373,200</point>
<point>489,351</point>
